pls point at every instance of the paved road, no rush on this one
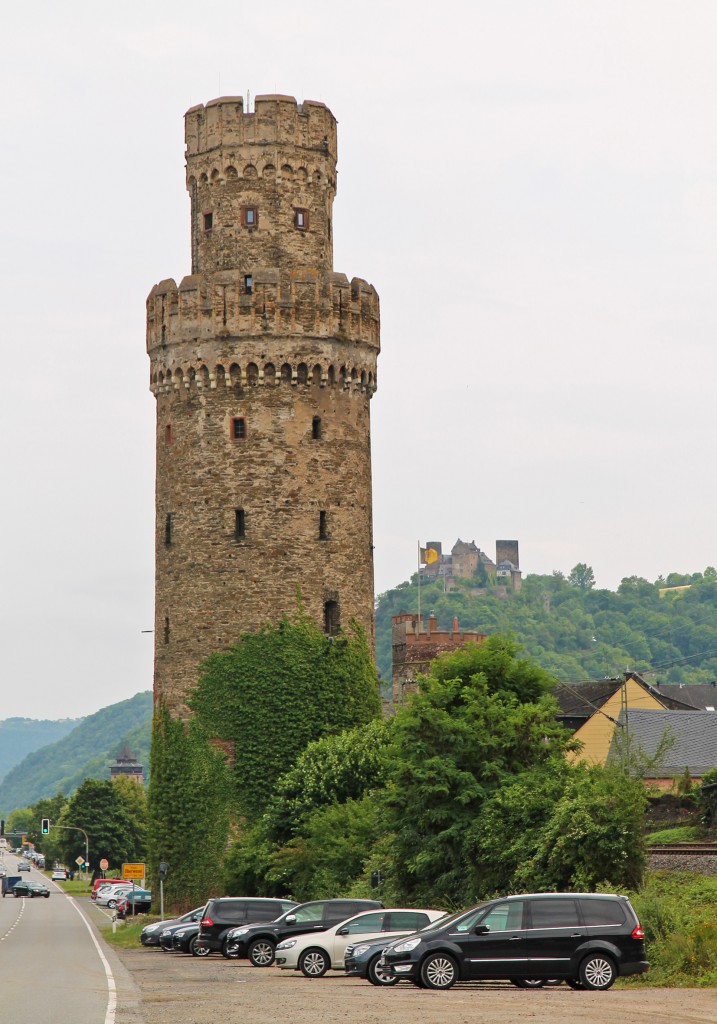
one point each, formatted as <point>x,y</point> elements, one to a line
<point>52,968</point>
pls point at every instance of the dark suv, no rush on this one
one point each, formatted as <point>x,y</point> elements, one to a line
<point>257,942</point>
<point>221,915</point>
<point>587,939</point>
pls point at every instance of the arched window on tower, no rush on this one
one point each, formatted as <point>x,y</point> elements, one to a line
<point>332,620</point>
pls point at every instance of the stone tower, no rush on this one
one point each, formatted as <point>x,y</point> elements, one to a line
<point>263,364</point>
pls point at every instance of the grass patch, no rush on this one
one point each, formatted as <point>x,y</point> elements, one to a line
<point>676,834</point>
<point>676,909</point>
<point>127,933</point>
<point>76,887</point>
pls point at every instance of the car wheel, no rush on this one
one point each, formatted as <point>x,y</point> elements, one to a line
<point>196,950</point>
<point>529,982</point>
<point>261,953</point>
<point>314,963</point>
<point>439,971</point>
<point>376,974</point>
<point>225,951</point>
<point>111,904</point>
<point>597,971</point>
<point>46,895</point>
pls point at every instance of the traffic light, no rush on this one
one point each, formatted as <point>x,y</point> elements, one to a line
<point>45,827</point>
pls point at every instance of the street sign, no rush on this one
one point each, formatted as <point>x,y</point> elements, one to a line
<point>79,861</point>
<point>104,864</point>
<point>133,871</point>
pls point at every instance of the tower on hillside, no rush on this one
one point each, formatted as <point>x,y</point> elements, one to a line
<point>263,364</point>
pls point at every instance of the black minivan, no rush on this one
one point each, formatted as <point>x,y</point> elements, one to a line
<point>587,939</point>
<point>225,913</point>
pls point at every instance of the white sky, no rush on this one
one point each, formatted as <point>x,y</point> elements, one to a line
<point>531,187</point>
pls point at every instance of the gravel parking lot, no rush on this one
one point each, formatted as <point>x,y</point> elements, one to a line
<point>177,989</point>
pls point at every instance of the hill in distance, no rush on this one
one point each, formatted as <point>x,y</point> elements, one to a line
<point>20,736</point>
<point>84,752</point>
<point>666,630</point>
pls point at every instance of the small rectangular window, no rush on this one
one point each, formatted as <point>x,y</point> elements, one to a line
<point>248,283</point>
<point>168,529</point>
<point>249,216</point>
<point>323,526</point>
<point>238,428</point>
<point>301,219</point>
<point>239,524</point>
<point>316,428</point>
<point>208,221</point>
<point>168,434</point>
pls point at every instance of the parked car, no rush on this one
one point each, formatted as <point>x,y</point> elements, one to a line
<point>587,939</point>
<point>152,933</point>
<point>314,955</point>
<point>224,914</point>
<point>59,875</point>
<point>99,882</point>
<point>136,901</point>
<point>180,940</point>
<point>362,958</point>
<point>108,896</point>
<point>29,888</point>
<point>257,942</point>
<point>23,865</point>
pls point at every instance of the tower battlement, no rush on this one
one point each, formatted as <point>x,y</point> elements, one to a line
<point>276,120</point>
<point>207,308</point>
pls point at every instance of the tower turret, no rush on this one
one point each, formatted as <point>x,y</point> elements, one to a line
<point>263,364</point>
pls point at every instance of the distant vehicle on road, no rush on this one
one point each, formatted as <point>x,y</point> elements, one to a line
<point>8,882</point>
<point>23,865</point>
<point>29,888</point>
<point>59,875</point>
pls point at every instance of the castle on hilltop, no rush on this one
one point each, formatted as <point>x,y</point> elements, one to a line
<point>466,561</point>
<point>263,365</point>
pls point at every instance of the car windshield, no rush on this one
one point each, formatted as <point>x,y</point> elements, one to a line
<point>462,920</point>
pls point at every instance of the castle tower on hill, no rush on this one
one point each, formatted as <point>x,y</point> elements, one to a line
<point>263,364</point>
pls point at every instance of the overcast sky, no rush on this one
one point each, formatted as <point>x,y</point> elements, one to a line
<point>532,189</point>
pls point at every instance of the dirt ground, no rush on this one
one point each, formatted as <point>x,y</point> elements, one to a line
<point>171,988</point>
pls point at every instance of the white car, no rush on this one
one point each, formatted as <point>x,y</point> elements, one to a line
<point>314,954</point>
<point>109,896</point>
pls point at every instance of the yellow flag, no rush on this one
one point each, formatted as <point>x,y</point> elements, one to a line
<point>428,556</point>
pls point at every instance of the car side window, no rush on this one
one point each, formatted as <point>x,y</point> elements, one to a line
<point>264,910</point>
<point>602,912</point>
<point>406,921</point>
<point>232,909</point>
<point>336,912</point>
<point>551,913</point>
<point>314,912</point>
<point>367,923</point>
<point>504,916</point>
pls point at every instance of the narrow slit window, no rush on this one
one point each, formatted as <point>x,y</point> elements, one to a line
<point>323,526</point>
<point>248,283</point>
<point>166,629</point>
<point>301,219</point>
<point>168,523</point>
<point>332,623</point>
<point>239,524</point>
<point>249,216</point>
<point>208,221</point>
<point>238,428</point>
<point>168,434</point>
<point>316,428</point>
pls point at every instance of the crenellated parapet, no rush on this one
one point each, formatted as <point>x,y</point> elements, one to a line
<point>291,324</point>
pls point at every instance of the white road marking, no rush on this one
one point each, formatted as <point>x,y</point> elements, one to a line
<point>111,986</point>
<point>15,922</point>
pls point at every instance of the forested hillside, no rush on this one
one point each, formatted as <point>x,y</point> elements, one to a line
<point>20,736</point>
<point>576,631</point>
<point>85,752</point>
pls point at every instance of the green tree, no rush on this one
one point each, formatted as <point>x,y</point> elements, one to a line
<point>331,770</point>
<point>98,809</point>
<point>277,690</point>
<point>582,576</point>
<point>482,716</point>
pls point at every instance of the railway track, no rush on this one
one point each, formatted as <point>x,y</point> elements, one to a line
<point>710,849</point>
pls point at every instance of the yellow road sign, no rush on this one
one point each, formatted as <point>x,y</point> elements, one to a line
<point>133,871</point>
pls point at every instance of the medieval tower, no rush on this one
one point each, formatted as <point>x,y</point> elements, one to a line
<point>263,364</point>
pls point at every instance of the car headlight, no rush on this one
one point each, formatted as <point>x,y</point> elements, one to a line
<point>286,944</point>
<point>405,947</point>
<point>237,933</point>
<point>360,950</point>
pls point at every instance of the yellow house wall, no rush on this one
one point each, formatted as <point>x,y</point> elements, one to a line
<point>596,734</point>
